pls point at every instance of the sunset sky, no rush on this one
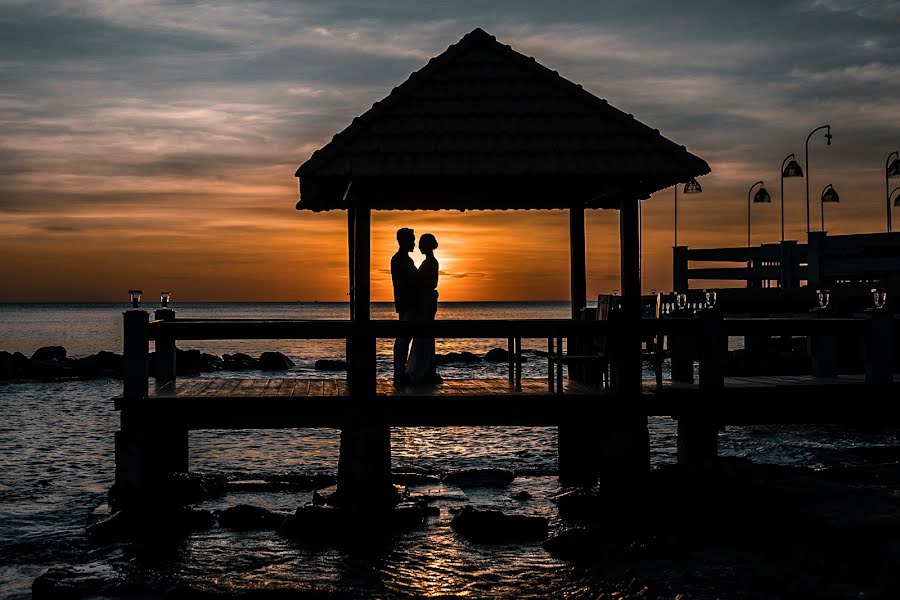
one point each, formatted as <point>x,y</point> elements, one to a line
<point>152,144</point>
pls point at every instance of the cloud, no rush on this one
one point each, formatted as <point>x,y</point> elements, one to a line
<point>124,120</point>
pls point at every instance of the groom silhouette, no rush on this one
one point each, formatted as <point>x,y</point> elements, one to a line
<point>403,276</point>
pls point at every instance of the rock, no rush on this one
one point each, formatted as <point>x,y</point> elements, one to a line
<point>49,353</point>
<point>103,363</point>
<point>328,364</point>
<point>274,361</point>
<point>480,478</point>
<point>239,362</point>
<point>188,488</point>
<point>301,482</point>
<point>495,527</point>
<point>20,364</point>
<point>247,517</point>
<point>496,355</point>
<point>574,545</point>
<point>320,524</point>
<point>44,369</point>
<point>211,361</point>
<point>315,523</point>
<point>521,496</point>
<point>7,365</point>
<point>414,478</point>
<point>152,521</point>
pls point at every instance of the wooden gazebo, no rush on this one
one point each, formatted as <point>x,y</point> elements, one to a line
<point>483,127</point>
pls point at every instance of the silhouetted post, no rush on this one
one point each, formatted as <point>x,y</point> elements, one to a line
<point>165,350</point>
<point>364,466</point>
<point>680,268</point>
<point>823,351</point>
<point>147,449</point>
<point>698,433</point>
<point>576,446</point>
<point>625,456</point>
<point>880,348</point>
<point>815,258</point>
<point>788,279</point>
<point>136,351</point>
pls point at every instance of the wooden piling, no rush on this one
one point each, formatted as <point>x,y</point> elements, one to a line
<point>698,433</point>
<point>624,439</point>
<point>364,465</point>
<point>148,448</point>
<point>880,348</point>
<point>165,350</point>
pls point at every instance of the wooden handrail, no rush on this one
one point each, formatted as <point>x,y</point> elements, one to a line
<point>233,329</point>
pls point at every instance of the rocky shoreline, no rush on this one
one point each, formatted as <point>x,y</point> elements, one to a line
<point>53,362</point>
<point>732,529</point>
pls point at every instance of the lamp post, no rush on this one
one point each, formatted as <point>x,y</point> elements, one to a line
<point>828,195</point>
<point>788,169</point>
<point>891,170</point>
<point>760,197</point>
<point>891,195</point>
<point>828,140</point>
<point>691,187</point>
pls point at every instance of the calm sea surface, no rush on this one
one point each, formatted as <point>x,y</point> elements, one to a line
<point>56,464</point>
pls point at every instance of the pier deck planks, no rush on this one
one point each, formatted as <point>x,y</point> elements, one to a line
<point>232,403</point>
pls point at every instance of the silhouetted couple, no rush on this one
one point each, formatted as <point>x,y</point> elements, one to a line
<point>415,299</point>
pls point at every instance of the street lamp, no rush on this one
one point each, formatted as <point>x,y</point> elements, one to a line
<point>828,139</point>
<point>760,197</point>
<point>828,195</point>
<point>691,187</point>
<point>891,195</point>
<point>788,169</point>
<point>891,170</point>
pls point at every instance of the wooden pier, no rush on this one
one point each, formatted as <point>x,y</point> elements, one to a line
<point>155,422</point>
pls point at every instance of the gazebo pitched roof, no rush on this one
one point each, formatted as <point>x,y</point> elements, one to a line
<point>482,126</point>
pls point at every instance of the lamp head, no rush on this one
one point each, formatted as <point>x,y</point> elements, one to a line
<point>761,196</point>
<point>893,169</point>
<point>830,195</point>
<point>693,187</point>
<point>897,199</point>
<point>828,136</point>
<point>792,169</point>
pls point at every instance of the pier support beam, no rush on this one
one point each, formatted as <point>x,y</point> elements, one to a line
<point>576,438</point>
<point>165,351</point>
<point>880,349</point>
<point>698,433</point>
<point>364,466</point>
<point>146,449</point>
<point>625,442</point>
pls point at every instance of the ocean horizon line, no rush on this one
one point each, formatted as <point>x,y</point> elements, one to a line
<point>189,302</point>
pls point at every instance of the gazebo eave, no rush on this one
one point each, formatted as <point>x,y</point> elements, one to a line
<point>478,192</point>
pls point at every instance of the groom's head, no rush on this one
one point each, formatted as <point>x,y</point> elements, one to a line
<point>406,239</point>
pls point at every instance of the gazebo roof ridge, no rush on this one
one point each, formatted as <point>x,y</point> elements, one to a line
<point>457,119</point>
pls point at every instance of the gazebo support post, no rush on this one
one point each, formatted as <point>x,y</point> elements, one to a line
<point>577,453</point>
<point>364,466</point>
<point>625,456</point>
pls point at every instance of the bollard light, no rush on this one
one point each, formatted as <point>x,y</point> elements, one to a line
<point>164,298</point>
<point>135,296</point>
<point>879,298</point>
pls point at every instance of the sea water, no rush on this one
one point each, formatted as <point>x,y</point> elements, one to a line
<point>56,465</point>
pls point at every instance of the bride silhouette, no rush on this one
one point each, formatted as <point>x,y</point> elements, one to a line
<point>420,366</point>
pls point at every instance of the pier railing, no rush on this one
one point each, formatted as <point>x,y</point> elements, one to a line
<point>701,337</point>
<point>823,261</point>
